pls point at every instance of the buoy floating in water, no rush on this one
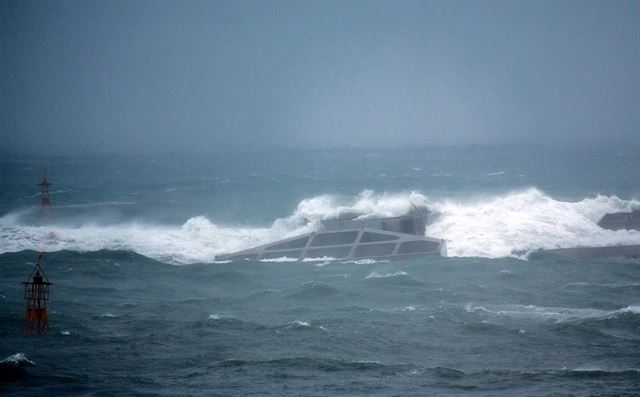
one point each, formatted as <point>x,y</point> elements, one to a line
<point>45,200</point>
<point>36,293</point>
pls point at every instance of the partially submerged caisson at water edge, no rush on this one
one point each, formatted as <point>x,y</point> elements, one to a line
<point>612,221</point>
<point>354,238</point>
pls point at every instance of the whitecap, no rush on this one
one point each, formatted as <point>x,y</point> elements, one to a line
<point>559,314</point>
<point>18,359</point>
<point>497,173</point>
<point>526,220</point>
<point>108,315</point>
<point>375,274</point>
<point>367,261</point>
<point>298,324</point>
<point>281,259</point>
<point>320,259</point>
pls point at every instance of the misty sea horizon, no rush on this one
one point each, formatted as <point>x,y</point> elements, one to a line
<point>140,306</point>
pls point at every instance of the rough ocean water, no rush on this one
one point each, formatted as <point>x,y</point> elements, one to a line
<point>139,305</point>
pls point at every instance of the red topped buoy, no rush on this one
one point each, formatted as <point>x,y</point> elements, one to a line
<point>36,293</point>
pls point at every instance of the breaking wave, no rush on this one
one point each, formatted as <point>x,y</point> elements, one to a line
<point>17,360</point>
<point>303,326</point>
<point>375,274</point>
<point>494,227</point>
<point>399,278</point>
<point>13,367</point>
<point>527,220</point>
<point>558,314</point>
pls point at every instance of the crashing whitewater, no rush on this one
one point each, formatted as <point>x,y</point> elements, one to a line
<point>490,227</point>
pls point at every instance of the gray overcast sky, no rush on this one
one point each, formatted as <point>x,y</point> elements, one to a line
<point>184,76</point>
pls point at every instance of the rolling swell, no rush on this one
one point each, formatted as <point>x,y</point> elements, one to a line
<point>313,290</point>
<point>559,374</point>
<point>484,379</point>
<point>315,363</point>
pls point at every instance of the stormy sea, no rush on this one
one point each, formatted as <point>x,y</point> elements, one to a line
<point>141,306</point>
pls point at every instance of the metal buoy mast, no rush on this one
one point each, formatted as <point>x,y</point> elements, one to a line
<point>36,293</point>
<point>45,202</point>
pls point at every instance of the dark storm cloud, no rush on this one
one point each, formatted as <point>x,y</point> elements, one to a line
<point>212,76</point>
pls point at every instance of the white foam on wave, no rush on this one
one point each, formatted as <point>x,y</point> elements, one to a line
<point>367,261</point>
<point>598,285</point>
<point>366,205</point>
<point>323,259</point>
<point>197,240</point>
<point>280,259</point>
<point>375,274</point>
<point>18,359</point>
<point>559,314</point>
<point>297,324</point>
<point>497,173</point>
<point>495,227</point>
<point>527,220</point>
<point>628,309</point>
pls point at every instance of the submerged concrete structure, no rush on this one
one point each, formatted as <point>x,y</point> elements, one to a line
<point>354,238</point>
<point>621,251</point>
<point>613,221</point>
<point>621,220</point>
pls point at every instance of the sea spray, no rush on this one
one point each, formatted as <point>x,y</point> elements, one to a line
<point>527,220</point>
<point>495,227</point>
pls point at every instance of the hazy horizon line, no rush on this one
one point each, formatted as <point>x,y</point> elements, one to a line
<point>338,148</point>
